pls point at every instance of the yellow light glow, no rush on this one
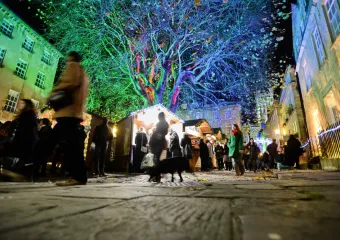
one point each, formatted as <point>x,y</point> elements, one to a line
<point>277,131</point>
<point>114,131</point>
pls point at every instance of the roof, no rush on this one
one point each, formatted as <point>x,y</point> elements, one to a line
<point>216,130</point>
<point>202,123</point>
<point>161,107</point>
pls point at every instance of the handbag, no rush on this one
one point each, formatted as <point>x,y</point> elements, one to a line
<point>148,162</point>
<point>60,99</point>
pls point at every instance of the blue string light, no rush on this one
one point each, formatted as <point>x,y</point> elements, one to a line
<point>320,135</point>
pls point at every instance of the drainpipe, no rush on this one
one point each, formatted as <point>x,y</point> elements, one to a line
<point>303,108</point>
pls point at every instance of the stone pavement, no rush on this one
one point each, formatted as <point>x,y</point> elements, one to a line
<point>216,205</point>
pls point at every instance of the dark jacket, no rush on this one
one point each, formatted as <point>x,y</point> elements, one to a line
<point>219,151</point>
<point>141,140</point>
<point>25,130</point>
<point>158,137</point>
<point>186,145</point>
<point>253,151</point>
<point>226,150</point>
<point>272,150</point>
<point>294,151</point>
<point>102,135</point>
<point>204,151</point>
<point>174,142</point>
<point>44,145</point>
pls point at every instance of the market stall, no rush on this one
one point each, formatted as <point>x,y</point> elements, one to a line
<point>196,129</point>
<point>127,128</point>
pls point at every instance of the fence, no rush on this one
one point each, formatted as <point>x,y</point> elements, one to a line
<point>329,141</point>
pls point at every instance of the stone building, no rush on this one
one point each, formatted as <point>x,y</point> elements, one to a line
<point>219,116</point>
<point>287,116</point>
<point>316,37</point>
<point>28,64</point>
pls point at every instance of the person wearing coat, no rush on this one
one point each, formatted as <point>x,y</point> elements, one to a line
<point>219,155</point>
<point>22,138</point>
<point>294,151</point>
<point>43,149</point>
<point>174,146</point>
<point>204,155</point>
<point>101,138</point>
<point>253,154</point>
<point>273,153</point>
<point>67,131</point>
<point>141,141</point>
<point>226,159</point>
<point>235,145</point>
<point>187,150</point>
<point>158,143</point>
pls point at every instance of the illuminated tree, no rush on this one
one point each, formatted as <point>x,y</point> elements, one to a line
<point>139,53</point>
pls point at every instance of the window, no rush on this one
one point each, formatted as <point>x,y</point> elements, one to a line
<point>2,55</point>
<point>228,114</point>
<point>46,58</point>
<point>199,115</point>
<point>333,16</point>
<point>40,82</point>
<point>21,69</point>
<point>215,114</point>
<point>7,28</point>
<point>28,44</point>
<point>307,76</point>
<point>11,101</point>
<point>35,103</point>
<point>319,45</point>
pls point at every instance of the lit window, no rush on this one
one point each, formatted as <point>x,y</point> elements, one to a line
<point>40,82</point>
<point>333,16</point>
<point>21,69</point>
<point>35,103</point>
<point>28,44</point>
<point>307,76</point>
<point>11,101</point>
<point>2,55</point>
<point>46,58</point>
<point>7,28</point>
<point>319,45</point>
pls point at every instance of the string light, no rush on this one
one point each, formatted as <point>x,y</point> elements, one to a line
<point>320,135</point>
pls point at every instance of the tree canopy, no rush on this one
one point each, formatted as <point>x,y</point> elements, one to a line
<point>140,53</point>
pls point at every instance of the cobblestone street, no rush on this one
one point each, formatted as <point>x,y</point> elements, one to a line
<point>214,205</point>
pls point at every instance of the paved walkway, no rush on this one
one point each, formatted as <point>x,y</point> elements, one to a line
<point>216,205</point>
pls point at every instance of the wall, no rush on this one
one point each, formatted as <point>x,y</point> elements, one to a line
<point>14,51</point>
<point>323,93</point>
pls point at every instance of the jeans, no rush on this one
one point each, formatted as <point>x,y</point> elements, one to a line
<point>100,153</point>
<point>220,163</point>
<point>67,133</point>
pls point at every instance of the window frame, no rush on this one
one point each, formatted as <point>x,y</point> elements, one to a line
<point>2,55</point>
<point>319,47</point>
<point>7,30</point>
<point>334,3</point>
<point>308,78</point>
<point>40,82</point>
<point>27,46</point>
<point>18,67</point>
<point>16,96</point>
<point>46,59</point>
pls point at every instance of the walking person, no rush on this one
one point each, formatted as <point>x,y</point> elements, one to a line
<point>219,155</point>
<point>158,143</point>
<point>273,153</point>
<point>204,155</point>
<point>174,146</point>
<point>235,145</point>
<point>187,150</point>
<point>67,131</point>
<point>226,159</point>
<point>211,154</point>
<point>21,140</point>
<point>294,151</point>
<point>43,149</point>
<point>101,138</point>
<point>253,155</point>
<point>141,140</point>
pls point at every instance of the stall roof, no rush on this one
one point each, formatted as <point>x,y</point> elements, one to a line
<point>160,107</point>
<point>202,123</point>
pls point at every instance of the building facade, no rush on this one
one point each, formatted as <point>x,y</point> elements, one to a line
<point>220,116</point>
<point>287,116</point>
<point>316,33</point>
<point>28,64</point>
